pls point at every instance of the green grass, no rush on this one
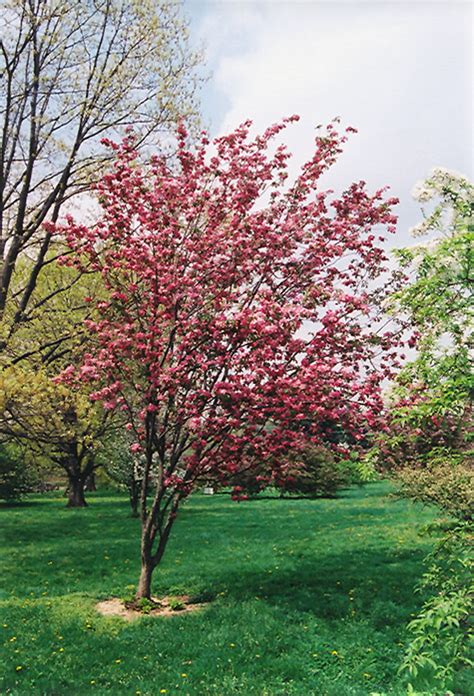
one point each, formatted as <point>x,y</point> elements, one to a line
<point>311,597</point>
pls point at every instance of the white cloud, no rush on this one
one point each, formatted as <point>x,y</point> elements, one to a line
<point>399,72</point>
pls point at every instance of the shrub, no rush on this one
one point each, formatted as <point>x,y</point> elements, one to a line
<point>16,477</point>
<point>442,631</point>
<point>315,473</point>
<point>448,484</point>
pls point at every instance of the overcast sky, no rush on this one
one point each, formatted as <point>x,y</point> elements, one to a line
<point>400,72</point>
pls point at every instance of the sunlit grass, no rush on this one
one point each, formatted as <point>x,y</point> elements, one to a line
<point>311,597</point>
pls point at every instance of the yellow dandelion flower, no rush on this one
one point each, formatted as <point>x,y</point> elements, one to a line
<point>18,668</point>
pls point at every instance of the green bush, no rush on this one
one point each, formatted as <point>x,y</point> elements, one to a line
<point>448,483</point>
<point>315,473</point>
<point>16,477</point>
<point>443,632</point>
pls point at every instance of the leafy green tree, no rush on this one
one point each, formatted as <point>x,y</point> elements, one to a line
<point>440,295</point>
<point>47,419</point>
<point>429,439</point>
<point>54,422</point>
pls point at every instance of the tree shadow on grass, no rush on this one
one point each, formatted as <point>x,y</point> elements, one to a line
<point>373,584</point>
<point>8,506</point>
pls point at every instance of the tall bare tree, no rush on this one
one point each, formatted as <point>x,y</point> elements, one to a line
<point>72,72</point>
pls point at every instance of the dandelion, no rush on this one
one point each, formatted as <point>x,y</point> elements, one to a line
<point>334,652</point>
<point>184,676</point>
<point>92,681</point>
<point>12,639</point>
<point>18,668</point>
<point>163,691</point>
<point>117,662</point>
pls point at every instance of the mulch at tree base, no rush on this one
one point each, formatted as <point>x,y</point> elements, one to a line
<point>162,607</point>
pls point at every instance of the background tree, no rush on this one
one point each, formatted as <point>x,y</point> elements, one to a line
<point>200,341</point>
<point>432,415</point>
<point>53,422</point>
<point>428,442</point>
<point>70,73</point>
<point>123,467</point>
<point>49,421</point>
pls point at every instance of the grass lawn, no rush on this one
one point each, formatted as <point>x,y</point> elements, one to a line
<point>311,597</point>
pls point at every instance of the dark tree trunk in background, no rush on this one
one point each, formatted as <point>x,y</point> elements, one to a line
<point>90,484</point>
<point>75,491</point>
<point>79,468</point>
<point>134,494</point>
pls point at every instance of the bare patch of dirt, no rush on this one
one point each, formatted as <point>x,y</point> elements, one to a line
<point>161,606</point>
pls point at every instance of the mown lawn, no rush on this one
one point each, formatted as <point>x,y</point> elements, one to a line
<point>311,597</point>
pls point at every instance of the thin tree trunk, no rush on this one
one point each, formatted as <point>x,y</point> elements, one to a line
<point>149,559</point>
<point>144,583</point>
<point>134,494</point>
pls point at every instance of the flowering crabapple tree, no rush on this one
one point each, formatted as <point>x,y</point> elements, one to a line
<point>238,307</point>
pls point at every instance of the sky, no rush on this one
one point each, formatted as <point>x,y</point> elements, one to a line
<point>400,72</point>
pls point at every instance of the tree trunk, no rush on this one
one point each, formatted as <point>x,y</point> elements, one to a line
<point>90,484</point>
<point>76,492</point>
<point>144,583</point>
<point>152,521</point>
<point>134,494</point>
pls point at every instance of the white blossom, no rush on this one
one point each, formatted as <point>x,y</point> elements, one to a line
<point>420,229</point>
<point>421,192</point>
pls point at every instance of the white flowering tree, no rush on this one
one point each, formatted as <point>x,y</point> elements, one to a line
<point>431,435</point>
<point>439,297</point>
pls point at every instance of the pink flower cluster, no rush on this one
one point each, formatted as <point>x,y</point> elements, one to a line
<point>232,331</point>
